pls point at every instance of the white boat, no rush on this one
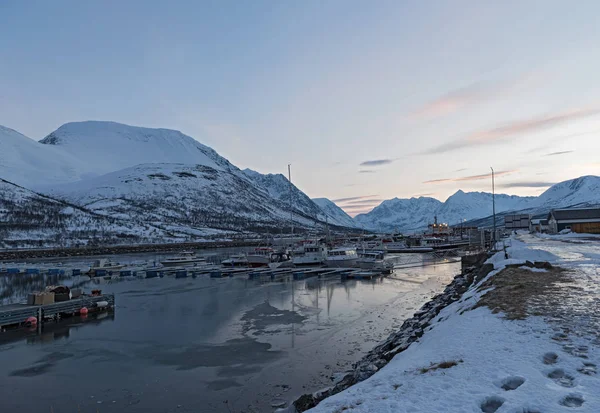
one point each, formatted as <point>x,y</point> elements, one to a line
<point>280,260</point>
<point>238,260</point>
<point>185,258</point>
<point>261,257</point>
<point>341,257</point>
<point>105,264</point>
<point>374,261</point>
<point>310,254</point>
<point>394,246</point>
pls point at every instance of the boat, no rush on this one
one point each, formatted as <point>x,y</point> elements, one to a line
<point>185,258</point>
<point>344,257</point>
<point>310,254</point>
<point>261,257</point>
<point>374,261</point>
<point>238,260</point>
<point>280,260</point>
<point>104,264</point>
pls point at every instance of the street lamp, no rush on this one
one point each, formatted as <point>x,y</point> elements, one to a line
<point>493,209</point>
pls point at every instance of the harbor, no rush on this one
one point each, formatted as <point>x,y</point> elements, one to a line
<point>257,326</point>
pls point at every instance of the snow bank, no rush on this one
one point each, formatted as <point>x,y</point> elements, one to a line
<point>490,361</point>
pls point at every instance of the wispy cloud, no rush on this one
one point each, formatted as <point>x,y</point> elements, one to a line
<point>508,131</point>
<point>353,198</point>
<point>529,184</point>
<point>450,102</point>
<point>366,171</point>
<point>460,170</point>
<point>364,202</point>
<point>468,178</point>
<point>558,153</point>
<point>427,194</point>
<point>377,162</point>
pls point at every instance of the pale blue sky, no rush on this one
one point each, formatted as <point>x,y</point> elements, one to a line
<point>435,91</point>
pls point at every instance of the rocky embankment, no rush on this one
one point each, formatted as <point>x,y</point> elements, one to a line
<point>473,271</point>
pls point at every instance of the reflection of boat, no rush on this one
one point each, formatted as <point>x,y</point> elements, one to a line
<point>341,257</point>
<point>261,257</point>
<point>105,264</point>
<point>310,254</point>
<point>184,258</point>
<point>374,261</point>
<point>238,260</point>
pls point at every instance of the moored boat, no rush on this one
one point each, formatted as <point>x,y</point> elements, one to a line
<point>310,254</point>
<point>261,257</point>
<point>238,260</point>
<point>104,264</point>
<point>344,257</point>
<point>185,258</point>
<point>374,261</point>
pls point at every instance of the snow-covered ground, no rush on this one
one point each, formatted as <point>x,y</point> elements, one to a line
<point>545,363</point>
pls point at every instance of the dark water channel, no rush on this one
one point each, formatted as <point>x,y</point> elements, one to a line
<point>208,345</point>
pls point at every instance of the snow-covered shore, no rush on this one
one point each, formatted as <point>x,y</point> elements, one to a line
<point>536,354</point>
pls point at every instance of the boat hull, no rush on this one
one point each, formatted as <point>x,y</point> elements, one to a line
<point>181,263</point>
<point>342,263</point>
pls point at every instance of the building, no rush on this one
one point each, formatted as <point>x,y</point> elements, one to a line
<point>582,220</point>
<point>539,225</point>
<point>517,221</point>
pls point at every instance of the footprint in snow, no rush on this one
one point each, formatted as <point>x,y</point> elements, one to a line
<point>491,404</point>
<point>572,400</point>
<point>587,369</point>
<point>550,358</point>
<point>512,383</point>
<point>561,378</point>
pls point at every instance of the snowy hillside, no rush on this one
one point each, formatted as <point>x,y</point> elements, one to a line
<point>109,146</point>
<point>30,219</point>
<point>400,214</point>
<point>334,213</point>
<point>186,198</point>
<point>580,191</point>
<point>27,162</point>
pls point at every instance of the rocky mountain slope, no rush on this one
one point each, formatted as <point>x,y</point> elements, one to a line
<point>335,214</point>
<point>30,219</point>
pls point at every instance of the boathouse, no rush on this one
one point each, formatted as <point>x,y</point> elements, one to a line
<point>581,220</point>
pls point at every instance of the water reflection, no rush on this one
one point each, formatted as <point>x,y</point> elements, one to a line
<point>195,343</point>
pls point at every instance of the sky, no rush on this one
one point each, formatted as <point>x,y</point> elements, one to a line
<point>367,100</point>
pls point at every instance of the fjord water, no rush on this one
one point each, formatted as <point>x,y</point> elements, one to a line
<point>209,345</point>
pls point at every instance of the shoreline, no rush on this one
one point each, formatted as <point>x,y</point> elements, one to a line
<point>473,270</point>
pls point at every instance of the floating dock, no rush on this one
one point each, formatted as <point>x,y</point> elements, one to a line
<point>17,314</point>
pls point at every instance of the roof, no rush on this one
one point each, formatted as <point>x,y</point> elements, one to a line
<point>539,221</point>
<point>583,213</point>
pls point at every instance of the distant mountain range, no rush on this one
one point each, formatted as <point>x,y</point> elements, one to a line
<point>414,214</point>
<point>98,181</point>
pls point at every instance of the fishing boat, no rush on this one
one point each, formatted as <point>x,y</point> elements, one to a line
<point>344,257</point>
<point>261,257</point>
<point>374,261</point>
<point>185,258</point>
<point>238,260</point>
<point>310,254</point>
<point>104,264</point>
<point>280,260</point>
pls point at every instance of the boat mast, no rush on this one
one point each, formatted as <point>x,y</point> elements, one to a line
<point>291,194</point>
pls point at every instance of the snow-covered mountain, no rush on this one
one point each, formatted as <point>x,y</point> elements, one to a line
<point>278,187</point>
<point>30,219</point>
<point>581,191</point>
<point>415,213</point>
<point>400,214</point>
<point>185,198</point>
<point>110,146</point>
<point>27,162</point>
<point>335,214</point>
<point>468,205</point>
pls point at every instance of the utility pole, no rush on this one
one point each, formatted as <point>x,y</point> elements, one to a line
<point>291,195</point>
<point>493,209</point>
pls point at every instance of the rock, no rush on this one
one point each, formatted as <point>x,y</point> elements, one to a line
<point>543,264</point>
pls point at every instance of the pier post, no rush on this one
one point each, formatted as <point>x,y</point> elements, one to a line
<point>40,318</point>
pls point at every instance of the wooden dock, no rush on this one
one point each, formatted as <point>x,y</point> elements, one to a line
<point>17,314</point>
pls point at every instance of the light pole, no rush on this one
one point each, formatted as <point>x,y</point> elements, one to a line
<point>493,209</point>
